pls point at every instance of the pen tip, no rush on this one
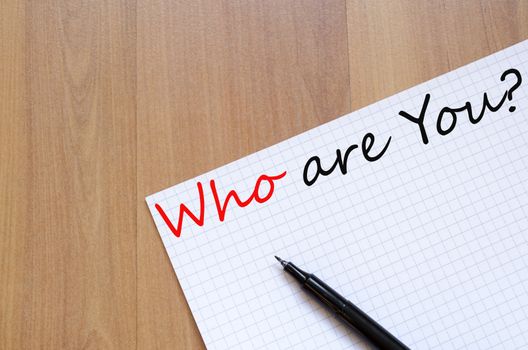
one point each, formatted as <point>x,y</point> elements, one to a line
<point>280,260</point>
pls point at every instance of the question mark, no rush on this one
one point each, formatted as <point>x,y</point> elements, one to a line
<point>515,86</point>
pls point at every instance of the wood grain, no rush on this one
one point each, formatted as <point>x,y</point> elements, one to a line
<point>15,169</point>
<point>218,80</point>
<point>103,102</point>
<point>394,45</point>
<point>72,273</point>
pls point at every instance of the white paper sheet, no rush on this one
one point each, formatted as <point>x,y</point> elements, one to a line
<point>430,240</point>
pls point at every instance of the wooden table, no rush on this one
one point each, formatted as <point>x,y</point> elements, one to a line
<point>103,102</point>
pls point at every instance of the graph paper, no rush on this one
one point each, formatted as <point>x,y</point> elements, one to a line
<point>430,240</point>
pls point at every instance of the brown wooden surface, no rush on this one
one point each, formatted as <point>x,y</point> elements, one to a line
<point>104,102</point>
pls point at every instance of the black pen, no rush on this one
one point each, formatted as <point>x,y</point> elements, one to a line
<point>349,312</point>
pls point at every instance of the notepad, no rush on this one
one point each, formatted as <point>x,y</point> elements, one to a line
<point>430,239</point>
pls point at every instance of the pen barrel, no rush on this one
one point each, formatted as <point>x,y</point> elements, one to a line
<point>353,315</point>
